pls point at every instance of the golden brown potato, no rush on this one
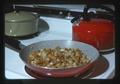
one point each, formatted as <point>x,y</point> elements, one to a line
<point>58,58</point>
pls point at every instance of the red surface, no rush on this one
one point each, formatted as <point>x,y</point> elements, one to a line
<point>97,32</point>
<point>61,72</point>
<point>100,66</point>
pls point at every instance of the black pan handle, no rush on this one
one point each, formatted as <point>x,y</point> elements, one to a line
<point>15,44</point>
<point>75,19</point>
<point>87,7</point>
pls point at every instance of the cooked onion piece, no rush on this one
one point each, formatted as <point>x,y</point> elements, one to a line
<point>58,58</point>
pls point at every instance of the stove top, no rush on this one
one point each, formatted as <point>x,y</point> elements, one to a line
<point>58,29</point>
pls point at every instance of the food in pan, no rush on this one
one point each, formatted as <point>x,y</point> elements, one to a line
<point>58,58</point>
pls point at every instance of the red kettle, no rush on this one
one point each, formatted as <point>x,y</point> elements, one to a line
<point>94,29</point>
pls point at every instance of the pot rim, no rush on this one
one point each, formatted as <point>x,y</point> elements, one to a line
<point>13,21</point>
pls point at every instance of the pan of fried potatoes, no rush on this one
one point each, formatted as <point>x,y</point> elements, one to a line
<point>56,58</point>
<point>59,58</point>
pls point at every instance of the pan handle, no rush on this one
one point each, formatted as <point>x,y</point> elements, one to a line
<point>13,43</point>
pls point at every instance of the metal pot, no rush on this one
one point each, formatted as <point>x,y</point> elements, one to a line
<point>20,23</point>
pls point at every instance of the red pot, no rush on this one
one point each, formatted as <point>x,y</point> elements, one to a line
<point>98,32</point>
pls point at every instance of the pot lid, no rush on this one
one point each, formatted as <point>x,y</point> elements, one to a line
<point>19,16</point>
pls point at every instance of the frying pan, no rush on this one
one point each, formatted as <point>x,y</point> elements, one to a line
<point>24,52</point>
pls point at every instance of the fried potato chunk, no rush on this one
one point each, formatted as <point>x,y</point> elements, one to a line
<point>58,58</point>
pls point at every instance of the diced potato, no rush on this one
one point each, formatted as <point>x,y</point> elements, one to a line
<point>58,58</point>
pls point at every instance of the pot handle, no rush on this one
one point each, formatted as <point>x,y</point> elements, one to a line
<point>87,7</point>
<point>13,43</point>
<point>75,19</point>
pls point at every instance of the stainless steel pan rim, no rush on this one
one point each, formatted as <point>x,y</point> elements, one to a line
<point>59,68</point>
<point>89,50</point>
